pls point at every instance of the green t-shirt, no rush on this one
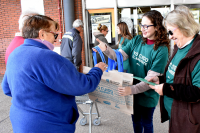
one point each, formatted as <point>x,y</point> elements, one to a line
<point>126,65</point>
<point>142,58</point>
<point>181,53</point>
<point>124,43</point>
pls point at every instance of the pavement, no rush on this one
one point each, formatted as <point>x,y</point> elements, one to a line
<point>112,121</point>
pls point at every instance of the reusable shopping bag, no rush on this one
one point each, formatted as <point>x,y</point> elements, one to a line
<point>107,90</point>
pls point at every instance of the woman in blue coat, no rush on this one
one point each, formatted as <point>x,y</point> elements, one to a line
<point>43,84</point>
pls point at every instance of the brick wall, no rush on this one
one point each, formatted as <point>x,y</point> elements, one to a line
<point>10,12</point>
<point>51,9</point>
<point>78,15</point>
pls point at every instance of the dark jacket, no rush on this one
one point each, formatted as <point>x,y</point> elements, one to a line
<point>102,38</point>
<point>71,46</point>
<point>185,116</point>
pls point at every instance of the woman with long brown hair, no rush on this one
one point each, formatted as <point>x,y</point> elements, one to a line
<point>124,34</point>
<point>147,55</point>
<point>124,37</point>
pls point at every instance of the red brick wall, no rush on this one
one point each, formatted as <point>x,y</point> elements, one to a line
<point>10,12</point>
<point>51,9</point>
<point>78,15</point>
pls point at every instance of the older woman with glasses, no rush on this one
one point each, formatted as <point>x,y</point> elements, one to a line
<point>179,86</point>
<point>43,84</point>
<point>147,55</point>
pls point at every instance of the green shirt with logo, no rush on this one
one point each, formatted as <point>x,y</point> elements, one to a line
<point>142,58</point>
<point>181,53</point>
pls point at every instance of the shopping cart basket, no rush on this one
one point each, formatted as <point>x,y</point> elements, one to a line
<point>84,99</point>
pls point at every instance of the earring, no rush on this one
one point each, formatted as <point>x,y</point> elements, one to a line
<point>42,40</point>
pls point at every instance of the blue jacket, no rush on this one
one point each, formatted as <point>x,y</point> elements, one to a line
<point>71,46</point>
<point>43,86</point>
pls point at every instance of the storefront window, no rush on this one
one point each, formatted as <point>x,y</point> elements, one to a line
<point>135,14</point>
<point>103,19</point>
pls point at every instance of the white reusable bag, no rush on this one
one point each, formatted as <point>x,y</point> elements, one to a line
<point>107,90</point>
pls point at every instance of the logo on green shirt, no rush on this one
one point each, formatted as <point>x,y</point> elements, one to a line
<point>172,68</point>
<point>141,58</point>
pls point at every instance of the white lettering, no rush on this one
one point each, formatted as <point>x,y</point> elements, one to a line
<point>172,68</point>
<point>142,59</point>
<point>172,72</point>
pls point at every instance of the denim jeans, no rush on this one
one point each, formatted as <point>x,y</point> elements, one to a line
<point>143,119</point>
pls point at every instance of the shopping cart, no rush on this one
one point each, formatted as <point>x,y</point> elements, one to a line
<point>84,99</point>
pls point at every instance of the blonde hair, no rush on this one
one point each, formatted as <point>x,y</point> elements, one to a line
<point>184,20</point>
<point>101,27</point>
<point>185,9</point>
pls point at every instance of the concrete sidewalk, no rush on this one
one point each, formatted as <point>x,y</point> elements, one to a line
<point>112,121</point>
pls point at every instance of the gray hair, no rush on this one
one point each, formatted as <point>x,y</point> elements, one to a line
<point>184,20</point>
<point>77,23</point>
<point>23,17</point>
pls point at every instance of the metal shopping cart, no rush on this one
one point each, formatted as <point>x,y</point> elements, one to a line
<point>84,99</point>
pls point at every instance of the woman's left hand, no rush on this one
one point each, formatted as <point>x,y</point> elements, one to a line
<point>124,91</point>
<point>158,88</point>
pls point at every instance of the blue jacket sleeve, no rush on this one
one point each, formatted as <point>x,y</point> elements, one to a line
<point>5,86</point>
<point>76,50</point>
<point>70,82</point>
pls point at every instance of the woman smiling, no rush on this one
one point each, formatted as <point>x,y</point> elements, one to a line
<point>179,86</point>
<point>147,56</point>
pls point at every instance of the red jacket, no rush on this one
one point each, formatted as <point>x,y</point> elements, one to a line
<point>16,42</point>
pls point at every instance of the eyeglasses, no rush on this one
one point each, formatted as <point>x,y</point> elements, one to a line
<point>171,32</point>
<point>145,27</point>
<point>107,31</point>
<point>55,34</point>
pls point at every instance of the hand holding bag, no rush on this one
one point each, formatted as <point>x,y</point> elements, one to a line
<point>107,90</point>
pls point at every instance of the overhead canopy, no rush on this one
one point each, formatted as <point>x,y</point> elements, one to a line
<point>186,1</point>
<point>99,4</point>
<point>133,3</point>
<point>36,6</point>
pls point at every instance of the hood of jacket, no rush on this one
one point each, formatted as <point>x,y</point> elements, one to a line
<point>98,34</point>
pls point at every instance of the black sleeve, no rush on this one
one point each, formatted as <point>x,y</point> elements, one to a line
<point>161,79</point>
<point>114,46</point>
<point>186,93</point>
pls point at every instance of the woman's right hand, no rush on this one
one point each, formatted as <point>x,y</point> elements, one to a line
<point>102,66</point>
<point>101,45</point>
<point>154,80</point>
